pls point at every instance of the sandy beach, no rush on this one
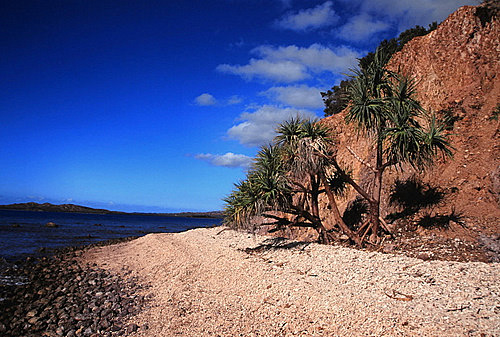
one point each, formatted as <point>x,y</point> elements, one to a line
<point>218,282</point>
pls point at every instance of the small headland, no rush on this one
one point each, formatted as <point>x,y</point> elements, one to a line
<point>58,295</point>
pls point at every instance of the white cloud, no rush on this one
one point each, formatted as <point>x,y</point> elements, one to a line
<point>299,96</point>
<point>205,99</point>
<point>226,160</point>
<point>311,18</point>
<point>279,70</point>
<point>410,12</point>
<point>362,27</point>
<point>234,100</point>
<point>291,63</point>
<point>317,58</point>
<point>258,127</point>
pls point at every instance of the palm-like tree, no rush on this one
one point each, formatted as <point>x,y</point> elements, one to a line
<point>384,108</point>
<point>288,176</point>
<point>264,188</point>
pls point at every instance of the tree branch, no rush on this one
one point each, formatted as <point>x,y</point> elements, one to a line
<point>302,187</point>
<point>282,222</point>
<point>336,212</point>
<point>302,212</point>
<point>351,181</point>
<point>355,155</point>
<point>386,165</point>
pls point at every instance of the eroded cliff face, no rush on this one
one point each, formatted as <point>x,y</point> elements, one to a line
<point>457,70</point>
<point>457,63</point>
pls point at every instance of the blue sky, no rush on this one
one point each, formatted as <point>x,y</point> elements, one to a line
<point>159,105</point>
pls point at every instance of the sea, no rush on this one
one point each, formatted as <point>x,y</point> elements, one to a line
<point>24,233</point>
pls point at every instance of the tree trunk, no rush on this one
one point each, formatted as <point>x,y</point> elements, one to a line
<point>336,213</point>
<point>375,206</point>
<point>321,229</point>
<point>314,196</point>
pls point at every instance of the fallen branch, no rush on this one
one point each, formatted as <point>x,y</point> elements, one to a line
<point>399,296</point>
<point>363,226</point>
<point>411,265</point>
<point>222,230</point>
<point>384,225</point>
<point>462,307</point>
<point>381,245</point>
<point>364,235</point>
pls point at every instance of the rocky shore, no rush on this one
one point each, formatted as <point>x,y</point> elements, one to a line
<point>61,296</point>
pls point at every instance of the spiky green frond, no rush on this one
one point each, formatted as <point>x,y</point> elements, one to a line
<point>265,187</point>
<point>289,131</point>
<point>367,92</point>
<point>305,147</point>
<point>436,139</point>
<point>385,107</point>
<point>366,111</point>
<point>405,145</point>
<point>269,158</point>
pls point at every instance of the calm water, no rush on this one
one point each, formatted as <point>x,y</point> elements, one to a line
<point>24,233</point>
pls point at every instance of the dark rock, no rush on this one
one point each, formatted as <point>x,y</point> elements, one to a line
<point>104,324</point>
<point>423,256</point>
<point>132,328</point>
<point>33,320</point>
<point>491,245</point>
<point>51,224</point>
<point>61,298</point>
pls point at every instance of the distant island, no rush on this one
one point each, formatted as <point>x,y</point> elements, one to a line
<point>71,208</point>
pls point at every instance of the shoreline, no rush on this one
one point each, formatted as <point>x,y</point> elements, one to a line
<point>51,252</point>
<point>30,233</point>
<point>58,295</point>
<point>78,209</point>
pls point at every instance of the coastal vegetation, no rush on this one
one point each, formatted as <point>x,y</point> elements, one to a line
<point>288,176</point>
<point>286,180</point>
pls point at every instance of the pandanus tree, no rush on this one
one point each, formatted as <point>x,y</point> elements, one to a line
<point>286,180</point>
<point>383,107</point>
